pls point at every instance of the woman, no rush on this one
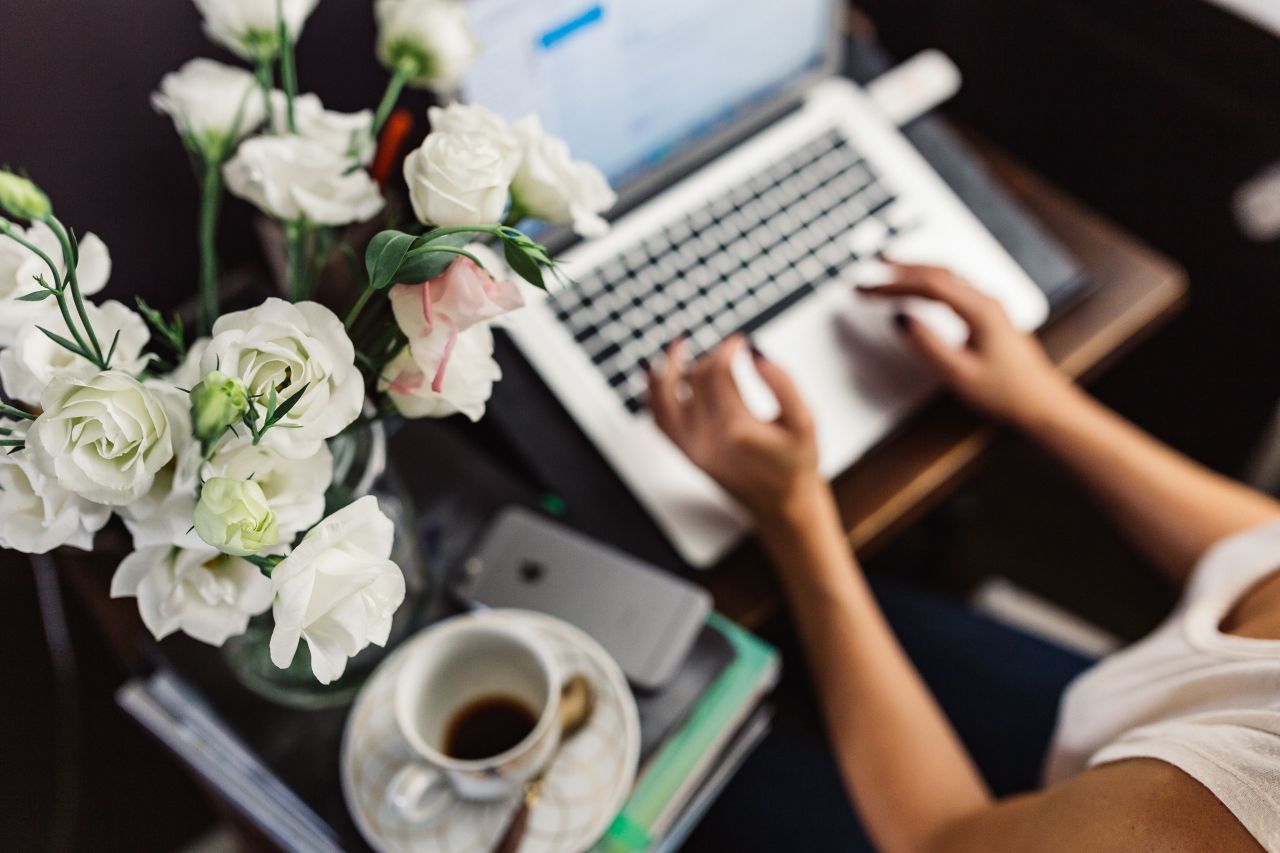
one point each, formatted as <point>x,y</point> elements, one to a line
<point>1173,744</point>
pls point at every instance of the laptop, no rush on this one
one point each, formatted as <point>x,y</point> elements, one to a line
<point>756,187</point>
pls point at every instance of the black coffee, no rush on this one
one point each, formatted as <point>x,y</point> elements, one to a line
<point>486,727</point>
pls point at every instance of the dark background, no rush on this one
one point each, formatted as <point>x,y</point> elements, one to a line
<point>1151,111</point>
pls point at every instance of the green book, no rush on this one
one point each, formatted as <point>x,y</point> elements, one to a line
<point>683,762</point>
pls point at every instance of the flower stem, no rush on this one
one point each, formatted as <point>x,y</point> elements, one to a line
<point>357,307</point>
<point>266,80</point>
<point>288,72</point>
<point>69,260</point>
<point>296,238</point>
<point>394,87</point>
<point>210,197</point>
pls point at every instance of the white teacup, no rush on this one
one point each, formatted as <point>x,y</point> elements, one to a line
<point>461,663</point>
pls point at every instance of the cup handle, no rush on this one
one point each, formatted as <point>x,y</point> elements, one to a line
<point>419,793</point>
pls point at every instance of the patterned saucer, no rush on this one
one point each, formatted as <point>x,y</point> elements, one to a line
<point>585,787</point>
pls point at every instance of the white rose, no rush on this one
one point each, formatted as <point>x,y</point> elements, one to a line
<point>466,387</point>
<point>338,590</point>
<point>349,135</point>
<point>103,437</point>
<point>162,515</point>
<point>187,374</point>
<point>292,178</point>
<point>430,39</point>
<point>284,346</point>
<point>249,28</point>
<point>36,514</point>
<point>473,118</point>
<point>234,517</point>
<point>294,488</point>
<point>554,188</point>
<point>460,179</point>
<point>19,266</point>
<point>216,105</point>
<point>28,366</point>
<point>203,594</point>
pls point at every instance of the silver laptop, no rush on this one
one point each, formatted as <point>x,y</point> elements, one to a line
<point>758,187</point>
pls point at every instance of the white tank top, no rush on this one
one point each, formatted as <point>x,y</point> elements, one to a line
<point>1190,695</point>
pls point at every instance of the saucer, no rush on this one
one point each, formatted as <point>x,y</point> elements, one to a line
<point>585,787</point>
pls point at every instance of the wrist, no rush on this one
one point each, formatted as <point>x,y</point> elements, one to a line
<point>1056,399</point>
<point>805,511</point>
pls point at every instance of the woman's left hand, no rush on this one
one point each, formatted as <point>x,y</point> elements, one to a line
<point>770,467</point>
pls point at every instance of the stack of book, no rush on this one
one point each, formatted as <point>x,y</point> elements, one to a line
<point>271,765</point>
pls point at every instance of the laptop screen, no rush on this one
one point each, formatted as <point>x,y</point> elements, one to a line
<point>630,84</point>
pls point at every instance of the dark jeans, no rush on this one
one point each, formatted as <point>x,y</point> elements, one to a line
<point>999,687</point>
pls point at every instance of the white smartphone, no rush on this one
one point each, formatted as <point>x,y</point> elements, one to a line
<point>643,616</point>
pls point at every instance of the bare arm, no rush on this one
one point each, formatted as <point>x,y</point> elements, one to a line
<point>1170,506</point>
<point>905,769</point>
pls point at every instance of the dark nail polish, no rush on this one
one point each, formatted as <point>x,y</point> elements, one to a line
<point>902,321</point>
<point>755,352</point>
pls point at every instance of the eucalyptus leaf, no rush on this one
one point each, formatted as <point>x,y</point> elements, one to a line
<point>381,260</point>
<point>522,265</point>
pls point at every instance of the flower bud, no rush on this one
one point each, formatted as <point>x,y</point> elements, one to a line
<point>233,516</point>
<point>217,402</point>
<point>22,198</point>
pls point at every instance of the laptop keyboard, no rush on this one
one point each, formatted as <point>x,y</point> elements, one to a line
<point>732,264</point>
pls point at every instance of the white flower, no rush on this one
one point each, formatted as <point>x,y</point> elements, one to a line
<point>349,135</point>
<point>556,189</point>
<point>460,178</point>
<point>292,178</point>
<point>233,516</point>
<point>466,387</point>
<point>36,514</point>
<point>430,39</point>
<point>473,118</point>
<point>294,488</point>
<point>162,515</point>
<point>285,346</point>
<point>216,105</point>
<point>19,266</point>
<point>249,27</point>
<point>188,373</point>
<point>27,367</point>
<point>103,437</point>
<point>203,594</point>
<point>338,590</point>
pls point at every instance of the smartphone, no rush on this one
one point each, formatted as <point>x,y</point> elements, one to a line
<point>643,616</point>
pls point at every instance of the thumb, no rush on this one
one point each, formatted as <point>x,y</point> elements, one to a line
<point>947,360</point>
<point>793,412</point>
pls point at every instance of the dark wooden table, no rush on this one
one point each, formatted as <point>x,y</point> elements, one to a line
<point>1135,290</point>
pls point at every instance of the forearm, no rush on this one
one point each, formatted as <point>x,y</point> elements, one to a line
<point>907,772</point>
<point>1170,506</point>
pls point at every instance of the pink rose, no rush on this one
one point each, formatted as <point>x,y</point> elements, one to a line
<point>434,313</point>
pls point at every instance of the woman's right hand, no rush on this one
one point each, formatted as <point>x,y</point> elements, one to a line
<point>999,370</point>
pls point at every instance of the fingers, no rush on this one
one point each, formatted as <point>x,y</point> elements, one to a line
<point>950,361</point>
<point>664,392</point>
<point>977,309</point>
<point>793,412</point>
<point>713,383</point>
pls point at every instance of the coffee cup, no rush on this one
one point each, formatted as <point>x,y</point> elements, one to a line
<point>478,702</point>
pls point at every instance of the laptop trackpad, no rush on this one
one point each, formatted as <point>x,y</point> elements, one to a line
<point>851,365</point>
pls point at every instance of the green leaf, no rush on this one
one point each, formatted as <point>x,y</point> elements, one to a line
<point>36,296</point>
<point>64,343</point>
<point>522,265</point>
<point>381,260</point>
<point>431,256</point>
<point>286,406</point>
<point>75,247</point>
<point>112,351</point>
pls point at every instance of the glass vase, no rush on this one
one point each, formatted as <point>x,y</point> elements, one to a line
<point>359,468</point>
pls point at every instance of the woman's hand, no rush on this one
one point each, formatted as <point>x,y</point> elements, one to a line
<point>771,468</point>
<point>1000,370</point>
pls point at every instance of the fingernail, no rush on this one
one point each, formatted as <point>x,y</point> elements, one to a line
<point>644,364</point>
<point>901,320</point>
<point>755,351</point>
